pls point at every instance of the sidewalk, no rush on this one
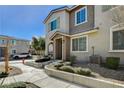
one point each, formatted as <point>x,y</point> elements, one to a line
<point>38,77</point>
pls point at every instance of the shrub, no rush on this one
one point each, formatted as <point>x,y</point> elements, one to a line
<point>67,69</point>
<point>46,58</point>
<point>72,59</point>
<point>67,63</point>
<point>3,74</point>
<point>83,71</point>
<point>58,65</point>
<point>14,85</point>
<point>112,62</point>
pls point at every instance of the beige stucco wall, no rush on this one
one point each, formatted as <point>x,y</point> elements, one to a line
<point>64,20</point>
<point>67,41</point>
<point>101,39</point>
<point>64,26</point>
<point>20,47</point>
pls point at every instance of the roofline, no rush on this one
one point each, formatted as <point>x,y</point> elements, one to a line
<point>10,37</point>
<point>73,7</point>
<point>58,32</point>
<point>75,35</point>
<point>59,9</point>
<point>4,36</point>
<point>55,10</point>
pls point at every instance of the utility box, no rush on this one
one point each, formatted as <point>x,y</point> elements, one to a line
<point>95,59</point>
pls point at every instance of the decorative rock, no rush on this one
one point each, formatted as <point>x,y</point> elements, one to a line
<point>105,72</point>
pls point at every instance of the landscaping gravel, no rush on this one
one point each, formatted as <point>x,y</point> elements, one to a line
<point>102,72</point>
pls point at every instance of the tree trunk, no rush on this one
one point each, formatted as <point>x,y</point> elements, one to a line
<point>6,59</point>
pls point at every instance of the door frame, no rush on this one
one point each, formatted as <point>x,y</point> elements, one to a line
<point>55,46</point>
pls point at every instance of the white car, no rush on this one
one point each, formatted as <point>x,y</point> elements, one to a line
<point>21,55</point>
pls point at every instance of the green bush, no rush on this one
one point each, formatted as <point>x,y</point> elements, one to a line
<point>112,62</point>
<point>83,71</point>
<point>14,85</point>
<point>58,65</point>
<point>67,63</point>
<point>72,59</point>
<point>67,69</point>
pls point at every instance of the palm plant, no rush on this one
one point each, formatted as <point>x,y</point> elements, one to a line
<point>38,45</point>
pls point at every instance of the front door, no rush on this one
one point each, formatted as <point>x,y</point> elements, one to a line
<point>59,49</point>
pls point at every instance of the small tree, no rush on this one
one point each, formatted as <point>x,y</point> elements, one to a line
<point>42,44</point>
<point>38,45</point>
<point>118,15</point>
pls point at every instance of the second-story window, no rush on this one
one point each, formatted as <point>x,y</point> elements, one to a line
<point>53,25</point>
<point>2,42</point>
<point>13,42</point>
<point>81,16</point>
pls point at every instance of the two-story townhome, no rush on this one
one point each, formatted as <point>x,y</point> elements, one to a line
<point>15,45</point>
<point>82,29</point>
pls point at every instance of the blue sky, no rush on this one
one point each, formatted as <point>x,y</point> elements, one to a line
<point>24,21</point>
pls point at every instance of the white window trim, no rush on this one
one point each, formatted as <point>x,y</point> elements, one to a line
<point>76,16</point>
<point>113,29</point>
<point>78,46</point>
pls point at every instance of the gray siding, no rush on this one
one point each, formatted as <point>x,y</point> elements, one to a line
<point>85,26</point>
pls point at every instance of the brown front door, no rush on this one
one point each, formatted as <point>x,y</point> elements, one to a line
<point>59,48</point>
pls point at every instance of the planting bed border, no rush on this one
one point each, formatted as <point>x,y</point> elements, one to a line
<point>82,80</point>
<point>37,65</point>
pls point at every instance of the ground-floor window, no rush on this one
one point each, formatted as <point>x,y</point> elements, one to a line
<point>118,40</point>
<point>50,48</point>
<point>79,43</point>
<point>13,51</point>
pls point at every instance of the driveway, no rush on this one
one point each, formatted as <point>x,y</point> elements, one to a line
<point>38,77</point>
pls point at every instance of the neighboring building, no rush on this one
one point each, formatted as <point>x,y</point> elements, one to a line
<point>75,30</point>
<point>15,45</point>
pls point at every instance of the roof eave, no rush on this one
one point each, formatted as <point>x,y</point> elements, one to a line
<point>63,34</point>
<point>52,13</point>
<point>66,8</point>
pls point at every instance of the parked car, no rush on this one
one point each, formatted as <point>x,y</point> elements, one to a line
<point>21,55</point>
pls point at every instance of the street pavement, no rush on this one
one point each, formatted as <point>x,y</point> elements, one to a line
<point>37,77</point>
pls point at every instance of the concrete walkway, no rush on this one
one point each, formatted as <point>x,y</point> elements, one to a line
<point>38,77</point>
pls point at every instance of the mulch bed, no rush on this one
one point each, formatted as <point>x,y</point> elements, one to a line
<point>13,70</point>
